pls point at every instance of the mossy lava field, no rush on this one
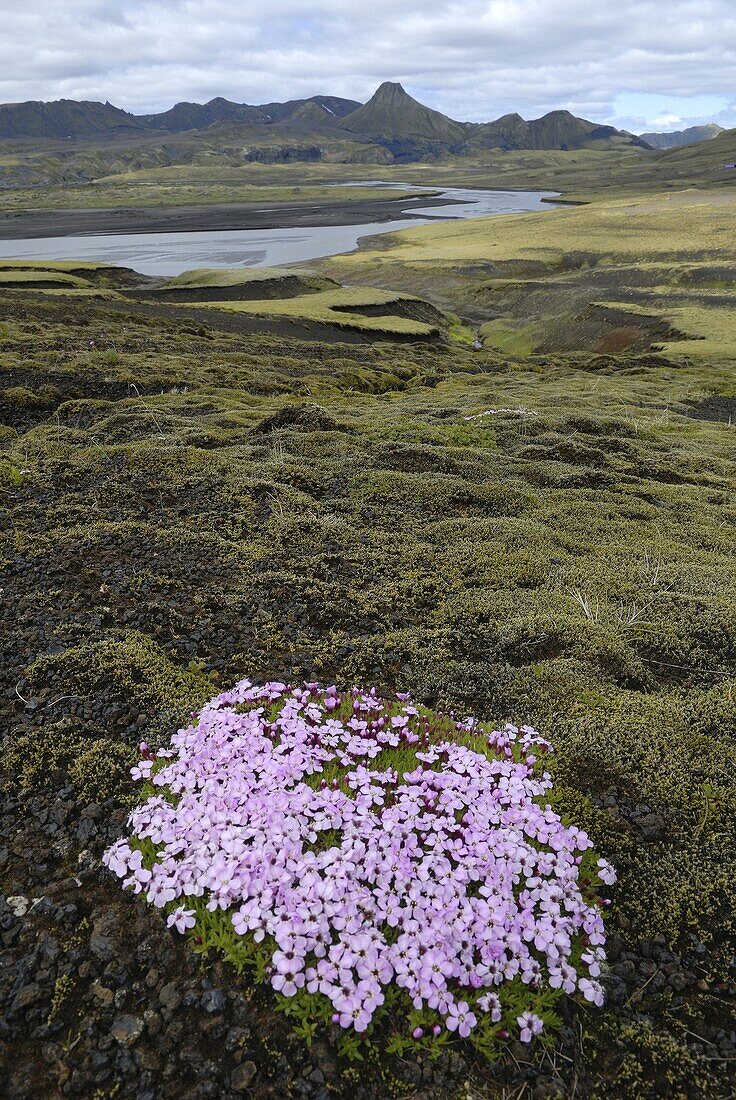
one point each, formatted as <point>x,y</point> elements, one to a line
<point>545,539</point>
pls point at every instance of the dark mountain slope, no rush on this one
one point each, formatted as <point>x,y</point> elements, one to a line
<point>508,132</point>
<point>198,116</point>
<point>555,130</point>
<point>329,105</point>
<point>705,160</point>
<point>393,114</point>
<point>677,138</point>
<point>64,118</point>
<point>392,119</point>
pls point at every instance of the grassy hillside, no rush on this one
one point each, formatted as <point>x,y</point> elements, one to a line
<point>195,186</point>
<point>293,301</point>
<point>393,315</point>
<point>646,271</point>
<point>18,276</point>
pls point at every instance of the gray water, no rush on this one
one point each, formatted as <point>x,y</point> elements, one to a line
<point>172,253</point>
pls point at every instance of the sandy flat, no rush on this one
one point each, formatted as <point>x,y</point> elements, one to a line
<point>17,225</point>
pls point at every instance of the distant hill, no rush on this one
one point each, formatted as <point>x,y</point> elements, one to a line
<point>64,118</point>
<point>555,130</point>
<point>682,137</point>
<point>392,114</point>
<point>701,165</point>
<point>329,106</point>
<point>704,157</point>
<point>198,116</point>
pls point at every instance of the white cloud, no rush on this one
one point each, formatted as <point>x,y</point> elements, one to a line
<point>667,120</point>
<point>473,59</point>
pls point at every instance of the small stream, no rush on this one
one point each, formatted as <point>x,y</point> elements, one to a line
<point>171,253</point>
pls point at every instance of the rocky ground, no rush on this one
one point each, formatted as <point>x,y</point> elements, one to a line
<point>533,540</point>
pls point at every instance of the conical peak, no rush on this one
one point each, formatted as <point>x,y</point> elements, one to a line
<point>391,90</point>
<point>392,113</point>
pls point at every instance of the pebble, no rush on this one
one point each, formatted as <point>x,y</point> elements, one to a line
<point>214,1000</point>
<point>102,994</point>
<point>19,905</point>
<point>127,1029</point>
<point>170,997</point>
<point>242,1076</point>
<point>102,947</point>
<point>27,996</point>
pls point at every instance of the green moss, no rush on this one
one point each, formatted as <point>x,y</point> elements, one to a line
<point>101,770</point>
<point>650,1063</point>
<point>132,665</point>
<point>98,767</point>
<point>676,889</point>
<point>713,712</point>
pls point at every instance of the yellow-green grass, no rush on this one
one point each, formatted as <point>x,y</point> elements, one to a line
<point>340,307</point>
<point>82,292</point>
<point>459,331</point>
<point>28,277</point>
<point>157,187</point>
<point>52,265</point>
<point>519,339</point>
<point>643,228</point>
<point>531,277</point>
<point>56,277</point>
<point>229,277</point>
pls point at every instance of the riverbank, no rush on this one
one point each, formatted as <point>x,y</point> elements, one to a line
<point>32,224</point>
<point>157,242</point>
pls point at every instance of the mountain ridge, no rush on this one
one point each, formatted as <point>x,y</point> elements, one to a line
<point>676,138</point>
<point>556,130</point>
<point>192,116</point>
<point>64,118</point>
<point>392,118</point>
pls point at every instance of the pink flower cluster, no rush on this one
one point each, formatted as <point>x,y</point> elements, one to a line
<point>364,842</point>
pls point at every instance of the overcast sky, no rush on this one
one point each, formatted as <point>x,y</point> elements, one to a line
<point>640,64</point>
